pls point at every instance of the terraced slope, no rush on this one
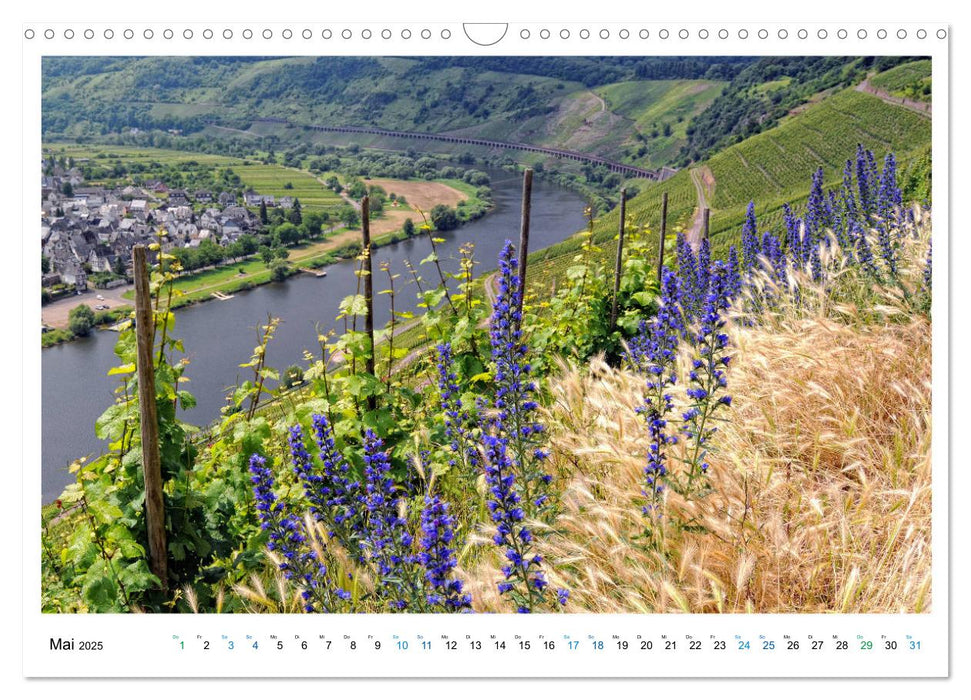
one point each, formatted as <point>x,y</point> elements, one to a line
<point>771,168</point>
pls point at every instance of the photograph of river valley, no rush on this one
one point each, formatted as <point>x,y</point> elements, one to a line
<point>485,334</point>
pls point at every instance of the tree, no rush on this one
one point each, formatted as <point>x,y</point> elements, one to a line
<point>280,272</point>
<point>67,190</point>
<point>248,243</point>
<point>266,255</point>
<point>313,222</point>
<point>119,267</point>
<point>45,264</point>
<point>234,250</point>
<point>444,218</point>
<point>408,228</point>
<point>287,234</point>
<point>80,320</point>
<point>349,216</point>
<point>356,189</point>
<point>264,218</point>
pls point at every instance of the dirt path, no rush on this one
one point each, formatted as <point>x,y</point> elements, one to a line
<point>704,182</point>
<point>923,108</point>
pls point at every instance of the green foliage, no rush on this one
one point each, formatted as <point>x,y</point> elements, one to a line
<point>104,561</point>
<point>349,216</point>
<point>293,376</point>
<point>81,320</point>
<point>444,218</point>
<point>911,80</point>
<point>287,234</point>
<point>280,272</point>
<point>764,92</point>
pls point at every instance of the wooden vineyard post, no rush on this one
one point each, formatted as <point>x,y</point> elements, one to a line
<point>664,229</point>
<point>151,458</point>
<point>620,257</point>
<point>524,233</point>
<point>372,402</point>
<point>707,223</point>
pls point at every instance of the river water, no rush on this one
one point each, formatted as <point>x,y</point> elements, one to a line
<point>219,335</point>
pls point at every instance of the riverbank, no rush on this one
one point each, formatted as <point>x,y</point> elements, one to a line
<point>218,336</point>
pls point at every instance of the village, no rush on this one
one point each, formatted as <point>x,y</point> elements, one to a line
<point>88,232</point>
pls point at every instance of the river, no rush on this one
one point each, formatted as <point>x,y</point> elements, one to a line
<point>219,335</point>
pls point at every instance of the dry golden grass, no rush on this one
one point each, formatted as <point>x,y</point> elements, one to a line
<point>821,480</point>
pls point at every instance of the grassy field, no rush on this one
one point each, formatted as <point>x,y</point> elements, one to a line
<point>163,157</point>
<point>906,80</point>
<point>281,181</point>
<point>269,179</point>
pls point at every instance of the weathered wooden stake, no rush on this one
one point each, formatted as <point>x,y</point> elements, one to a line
<point>704,229</point>
<point>151,458</point>
<point>620,256</point>
<point>524,233</point>
<point>664,230</point>
<point>372,402</point>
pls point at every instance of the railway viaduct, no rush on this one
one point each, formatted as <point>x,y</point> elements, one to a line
<point>621,168</point>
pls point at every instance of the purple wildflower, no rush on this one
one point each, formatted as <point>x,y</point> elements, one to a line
<point>516,407</point>
<point>523,579</point>
<point>387,543</point>
<point>750,240</point>
<point>437,557</point>
<point>288,540</point>
<point>707,380</point>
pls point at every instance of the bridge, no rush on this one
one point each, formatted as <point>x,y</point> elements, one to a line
<point>621,168</point>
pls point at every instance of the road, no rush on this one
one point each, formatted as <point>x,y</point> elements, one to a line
<point>913,105</point>
<point>704,182</point>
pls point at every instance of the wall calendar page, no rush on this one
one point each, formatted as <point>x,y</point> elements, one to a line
<point>581,348</point>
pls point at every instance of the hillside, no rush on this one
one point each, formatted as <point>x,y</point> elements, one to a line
<point>661,111</point>
<point>764,92</point>
<point>909,80</point>
<point>524,99</point>
<point>771,169</point>
<point>519,464</point>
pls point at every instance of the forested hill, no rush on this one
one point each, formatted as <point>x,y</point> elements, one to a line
<point>647,111</point>
<point>98,95</point>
